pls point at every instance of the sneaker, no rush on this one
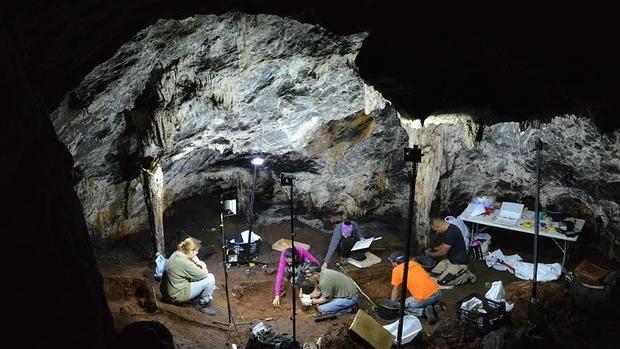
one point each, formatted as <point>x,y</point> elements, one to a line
<point>206,309</point>
<point>429,312</point>
<point>439,312</point>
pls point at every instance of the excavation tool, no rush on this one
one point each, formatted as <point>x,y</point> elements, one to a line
<point>374,306</point>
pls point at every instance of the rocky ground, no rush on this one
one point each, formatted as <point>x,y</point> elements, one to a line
<point>134,295</point>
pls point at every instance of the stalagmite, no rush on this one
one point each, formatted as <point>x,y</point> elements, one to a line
<point>153,184</point>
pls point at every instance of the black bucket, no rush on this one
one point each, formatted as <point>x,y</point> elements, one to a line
<point>388,309</point>
<point>556,212</point>
<point>428,263</point>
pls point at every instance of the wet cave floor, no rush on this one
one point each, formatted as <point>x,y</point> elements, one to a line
<point>133,294</point>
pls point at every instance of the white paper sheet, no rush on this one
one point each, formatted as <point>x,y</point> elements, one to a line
<point>511,210</point>
<point>362,244</point>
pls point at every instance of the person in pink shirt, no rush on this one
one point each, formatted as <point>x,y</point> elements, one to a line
<point>286,266</point>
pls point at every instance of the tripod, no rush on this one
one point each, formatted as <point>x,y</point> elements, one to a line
<point>228,208</point>
<point>289,181</point>
<point>414,156</point>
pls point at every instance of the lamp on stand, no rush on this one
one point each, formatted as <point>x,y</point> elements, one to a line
<point>256,162</point>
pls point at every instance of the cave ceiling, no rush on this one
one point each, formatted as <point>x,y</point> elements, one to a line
<point>496,63</point>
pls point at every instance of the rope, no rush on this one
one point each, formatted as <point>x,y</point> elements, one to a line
<point>374,306</point>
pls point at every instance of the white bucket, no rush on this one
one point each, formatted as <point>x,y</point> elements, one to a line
<point>411,328</point>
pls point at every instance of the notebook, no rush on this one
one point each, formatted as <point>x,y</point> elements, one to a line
<point>509,213</point>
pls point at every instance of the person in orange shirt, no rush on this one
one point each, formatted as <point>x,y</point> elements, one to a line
<point>425,293</point>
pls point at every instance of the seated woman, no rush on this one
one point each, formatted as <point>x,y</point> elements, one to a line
<point>186,277</point>
<point>285,266</point>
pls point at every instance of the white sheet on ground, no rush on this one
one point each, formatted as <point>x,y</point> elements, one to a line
<point>523,270</point>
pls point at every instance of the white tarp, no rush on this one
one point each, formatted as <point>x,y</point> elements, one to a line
<point>523,270</point>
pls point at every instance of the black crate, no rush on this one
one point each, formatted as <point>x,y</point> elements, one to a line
<point>239,252</point>
<point>485,322</point>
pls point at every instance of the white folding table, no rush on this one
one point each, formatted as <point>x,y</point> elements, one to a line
<point>489,220</point>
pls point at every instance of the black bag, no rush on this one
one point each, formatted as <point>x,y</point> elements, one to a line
<point>271,340</point>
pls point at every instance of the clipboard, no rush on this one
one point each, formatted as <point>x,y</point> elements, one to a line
<point>360,245</point>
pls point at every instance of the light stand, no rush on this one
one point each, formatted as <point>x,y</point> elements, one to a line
<point>414,156</point>
<point>534,299</point>
<point>536,334</point>
<point>228,208</point>
<point>256,162</point>
<point>283,182</point>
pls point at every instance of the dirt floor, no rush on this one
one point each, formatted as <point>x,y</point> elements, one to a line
<point>128,266</point>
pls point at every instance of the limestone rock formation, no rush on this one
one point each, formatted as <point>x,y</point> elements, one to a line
<point>205,94</point>
<point>580,170</point>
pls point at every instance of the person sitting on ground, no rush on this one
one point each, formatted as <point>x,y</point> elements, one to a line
<point>344,236</point>
<point>452,268</point>
<point>285,266</point>
<point>186,277</point>
<point>425,294</point>
<point>332,291</point>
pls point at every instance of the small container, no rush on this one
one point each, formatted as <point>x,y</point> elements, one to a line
<point>388,309</point>
<point>556,212</point>
<point>493,317</point>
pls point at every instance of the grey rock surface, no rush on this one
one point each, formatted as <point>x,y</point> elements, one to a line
<point>580,170</point>
<point>206,93</point>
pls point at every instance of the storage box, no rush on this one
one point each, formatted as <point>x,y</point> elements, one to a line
<point>238,252</point>
<point>494,313</point>
<point>590,273</point>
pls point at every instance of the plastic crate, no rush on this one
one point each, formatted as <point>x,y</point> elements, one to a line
<point>239,252</point>
<point>485,322</point>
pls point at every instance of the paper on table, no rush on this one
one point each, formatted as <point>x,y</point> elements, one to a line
<point>476,210</point>
<point>511,210</point>
<point>363,244</point>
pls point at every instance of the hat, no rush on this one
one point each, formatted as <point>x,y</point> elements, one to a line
<point>346,229</point>
<point>397,257</point>
<point>311,268</point>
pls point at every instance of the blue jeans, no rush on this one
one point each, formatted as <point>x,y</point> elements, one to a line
<point>339,305</point>
<point>203,288</point>
<point>417,307</point>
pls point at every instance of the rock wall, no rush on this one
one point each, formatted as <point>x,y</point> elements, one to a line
<point>205,94</point>
<point>580,169</point>
<point>441,138</point>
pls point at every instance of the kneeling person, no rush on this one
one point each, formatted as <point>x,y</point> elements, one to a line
<point>330,290</point>
<point>452,270</point>
<point>285,266</point>
<point>424,291</point>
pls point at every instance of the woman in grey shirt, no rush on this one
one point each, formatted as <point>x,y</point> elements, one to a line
<point>345,235</point>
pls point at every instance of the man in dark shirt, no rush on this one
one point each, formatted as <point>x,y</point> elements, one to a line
<point>450,271</point>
